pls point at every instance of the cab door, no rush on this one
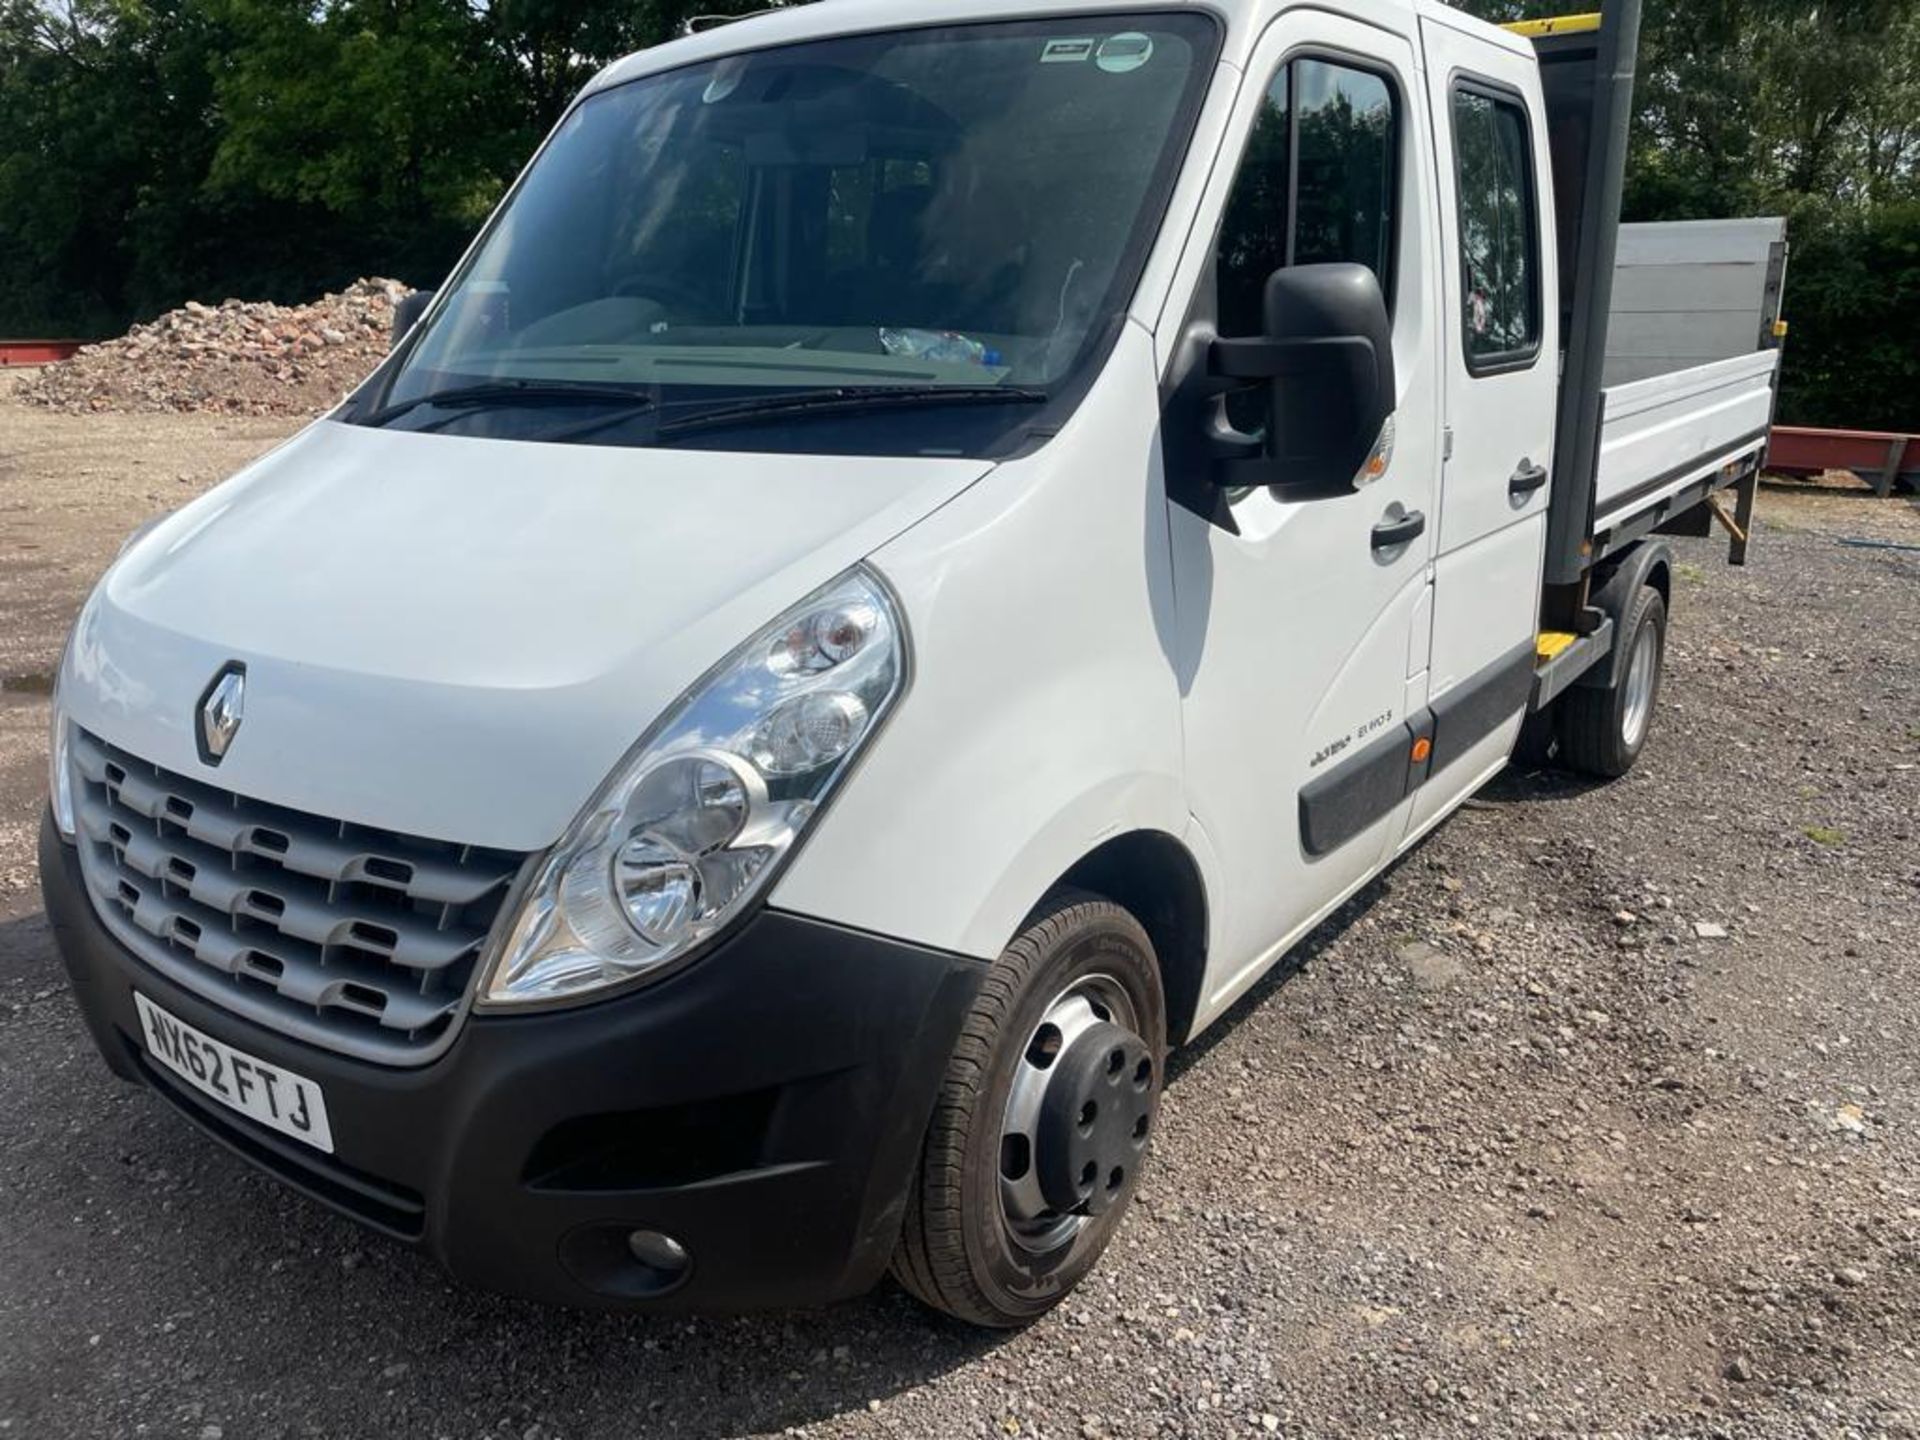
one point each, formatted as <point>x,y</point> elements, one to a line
<point>1296,624</point>
<point>1499,348</point>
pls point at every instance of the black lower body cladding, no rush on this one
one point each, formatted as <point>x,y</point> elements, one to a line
<point>763,1108</point>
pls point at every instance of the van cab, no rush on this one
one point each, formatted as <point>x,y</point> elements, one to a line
<point>919,550</point>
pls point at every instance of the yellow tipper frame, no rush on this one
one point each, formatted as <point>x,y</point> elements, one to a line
<point>1563,25</point>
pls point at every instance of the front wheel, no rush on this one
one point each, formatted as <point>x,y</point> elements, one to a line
<point>1043,1121</point>
<point>1602,732</point>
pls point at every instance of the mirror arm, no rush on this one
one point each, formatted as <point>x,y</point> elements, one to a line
<point>1241,460</point>
<point>1228,446</point>
<point>1245,362</point>
<point>1324,357</point>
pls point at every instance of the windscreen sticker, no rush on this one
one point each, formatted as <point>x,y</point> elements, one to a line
<point>1122,54</point>
<point>1066,52</point>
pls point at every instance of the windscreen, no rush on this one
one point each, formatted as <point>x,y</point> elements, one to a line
<point>966,207</point>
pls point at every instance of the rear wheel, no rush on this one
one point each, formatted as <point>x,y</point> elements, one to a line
<point>1043,1121</point>
<point>1602,732</point>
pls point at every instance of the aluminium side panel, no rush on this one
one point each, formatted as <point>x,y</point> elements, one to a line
<point>1690,293</point>
<point>1665,432</point>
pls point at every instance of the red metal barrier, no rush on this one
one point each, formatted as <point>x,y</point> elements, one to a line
<point>36,352</point>
<point>1879,457</point>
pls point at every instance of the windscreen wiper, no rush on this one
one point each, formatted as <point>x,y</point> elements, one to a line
<point>846,399</point>
<point>515,392</point>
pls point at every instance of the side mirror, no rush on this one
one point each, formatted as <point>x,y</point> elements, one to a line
<point>407,314</point>
<point>1327,358</point>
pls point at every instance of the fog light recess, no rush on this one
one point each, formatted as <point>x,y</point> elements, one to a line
<point>627,1263</point>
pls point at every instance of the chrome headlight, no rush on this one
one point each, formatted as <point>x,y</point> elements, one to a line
<point>59,773</point>
<point>700,814</point>
<point>59,736</point>
<point>59,739</point>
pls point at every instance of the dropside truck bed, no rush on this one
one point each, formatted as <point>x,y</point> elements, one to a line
<point>1669,441</point>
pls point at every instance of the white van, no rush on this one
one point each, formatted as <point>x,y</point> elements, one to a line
<point>920,549</point>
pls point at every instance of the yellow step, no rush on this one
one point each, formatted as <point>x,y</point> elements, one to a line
<point>1552,643</point>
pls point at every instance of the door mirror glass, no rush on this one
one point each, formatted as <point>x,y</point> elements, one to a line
<point>1327,363</point>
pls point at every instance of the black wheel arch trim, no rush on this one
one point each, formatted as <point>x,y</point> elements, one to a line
<point>1154,875</point>
<point>1648,563</point>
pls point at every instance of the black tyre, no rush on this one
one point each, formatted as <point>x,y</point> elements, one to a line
<point>1602,732</point>
<point>1043,1121</point>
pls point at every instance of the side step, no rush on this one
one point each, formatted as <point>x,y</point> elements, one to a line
<point>1560,658</point>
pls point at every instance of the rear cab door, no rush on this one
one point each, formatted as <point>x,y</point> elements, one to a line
<point>1499,343</point>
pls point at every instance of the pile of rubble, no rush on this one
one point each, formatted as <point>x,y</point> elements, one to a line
<point>239,358</point>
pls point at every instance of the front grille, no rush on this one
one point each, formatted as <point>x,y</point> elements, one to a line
<point>341,935</point>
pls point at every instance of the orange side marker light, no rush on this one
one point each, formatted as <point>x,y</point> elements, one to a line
<point>1422,748</point>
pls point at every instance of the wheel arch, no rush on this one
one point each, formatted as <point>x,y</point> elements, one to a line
<point>1156,878</point>
<point>1648,563</point>
<point>1660,576</point>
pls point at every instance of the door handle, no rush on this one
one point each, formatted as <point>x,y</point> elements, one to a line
<point>1389,534</point>
<point>1527,479</point>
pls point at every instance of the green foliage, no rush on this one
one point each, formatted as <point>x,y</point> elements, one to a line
<point>153,151</point>
<point>1853,292</point>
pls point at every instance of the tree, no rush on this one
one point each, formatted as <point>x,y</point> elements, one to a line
<point>161,150</point>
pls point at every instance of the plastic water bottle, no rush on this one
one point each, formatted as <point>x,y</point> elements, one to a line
<point>940,347</point>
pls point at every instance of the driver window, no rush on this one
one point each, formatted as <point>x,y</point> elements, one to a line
<point>1317,183</point>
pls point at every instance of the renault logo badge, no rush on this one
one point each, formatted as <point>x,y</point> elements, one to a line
<point>221,710</point>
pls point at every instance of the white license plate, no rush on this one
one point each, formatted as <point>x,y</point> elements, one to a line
<point>276,1097</point>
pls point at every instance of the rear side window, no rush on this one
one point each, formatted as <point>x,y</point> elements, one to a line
<point>1499,230</point>
<point>1317,184</point>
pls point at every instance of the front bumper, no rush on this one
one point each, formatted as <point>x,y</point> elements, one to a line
<point>763,1107</point>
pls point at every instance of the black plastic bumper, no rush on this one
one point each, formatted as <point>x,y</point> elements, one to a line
<point>764,1108</point>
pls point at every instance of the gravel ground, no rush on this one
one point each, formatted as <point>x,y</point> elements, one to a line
<point>1521,1144</point>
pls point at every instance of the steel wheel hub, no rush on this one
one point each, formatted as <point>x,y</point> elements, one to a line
<point>1642,670</point>
<point>1077,1116</point>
